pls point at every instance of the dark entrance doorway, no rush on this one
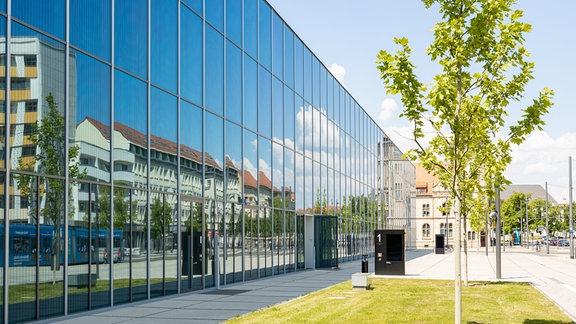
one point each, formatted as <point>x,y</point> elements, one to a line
<point>326,241</point>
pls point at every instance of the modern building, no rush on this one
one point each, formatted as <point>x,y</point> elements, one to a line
<point>157,147</point>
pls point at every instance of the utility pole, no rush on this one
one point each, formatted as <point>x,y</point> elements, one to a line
<point>571,235</point>
<point>498,233</point>
<point>547,233</point>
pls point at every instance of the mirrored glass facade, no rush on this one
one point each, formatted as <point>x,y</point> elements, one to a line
<point>157,147</point>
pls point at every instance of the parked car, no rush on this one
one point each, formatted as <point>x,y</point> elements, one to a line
<point>131,251</point>
<point>563,242</point>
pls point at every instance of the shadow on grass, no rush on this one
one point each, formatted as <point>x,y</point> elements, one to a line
<point>540,321</point>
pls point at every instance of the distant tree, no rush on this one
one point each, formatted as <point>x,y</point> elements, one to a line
<point>121,208</point>
<point>49,138</point>
<point>484,68</point>
<point>160,220</point>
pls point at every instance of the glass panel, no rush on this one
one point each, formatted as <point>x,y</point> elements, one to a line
<point>265,242</point>
<point>164,44</point>
<point>308,75</point>
<point>299,178</point>
<point>211,222</point>
<point>234,21</point>
<point>3,143</point>
<point>316,130</point>
<point>131,36</point>
<point>191,56</point>
<point>315,82</point>
<point>92,134</point>
<point>300,241</point>
<point>233,83</point>
<point>323,106</point>
<point>289,178</point>
<point>130,129</point>
<point>277,110</point>
<point>190,150</point>
<point>163,215</point>
<point>38,283</point>
<point>33,101</point>
<point>288,56</point>
<point>278,49</point>
<point>91,25</point>
<point>163,119</point>
<point>250,185</point>
<point>233,246</point>
<point>233,242</point>
<point>251,27</point>
<point>195,4</point>
<point>34,12</point>
<point>214,157</point>
<point>233,162</point>
<point>330,96</point>
<point>265,103</point>
<point>299,66</point>
<point>310,185</point>
<point>290,241</point>
<point>265,30</point>
<point>299,124</point>
<point>191,238</point>
<point>215,13</point>
<point>139,243</point>
<point>214,75</point>
<point>289,131</point>
<point>250,93</point>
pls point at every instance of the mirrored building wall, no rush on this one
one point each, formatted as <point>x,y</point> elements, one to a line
<point>155,147</point>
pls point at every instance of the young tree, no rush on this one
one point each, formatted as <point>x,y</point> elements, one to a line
<point>479,47</point>
<point>49,137</point>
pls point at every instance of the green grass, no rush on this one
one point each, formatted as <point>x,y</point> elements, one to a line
<point>415,301</point>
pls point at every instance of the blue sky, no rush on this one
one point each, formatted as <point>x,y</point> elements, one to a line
<point>347,35</point>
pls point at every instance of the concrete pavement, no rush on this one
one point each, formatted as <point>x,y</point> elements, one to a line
<point>553,274</point>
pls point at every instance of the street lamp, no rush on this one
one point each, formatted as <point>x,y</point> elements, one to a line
<point>496,217</point>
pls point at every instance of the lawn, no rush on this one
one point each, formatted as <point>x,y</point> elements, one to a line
<point>415,301</point>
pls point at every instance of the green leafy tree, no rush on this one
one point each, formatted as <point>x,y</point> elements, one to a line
<point>49,137</point>
<point>121,209</point>
<point>160,219</point>
<point>479,46</point>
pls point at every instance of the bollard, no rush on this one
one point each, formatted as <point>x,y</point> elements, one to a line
<point>364,263</point>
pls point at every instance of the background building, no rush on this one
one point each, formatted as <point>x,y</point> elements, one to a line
<point>431,219</point>
<point>185,145</point>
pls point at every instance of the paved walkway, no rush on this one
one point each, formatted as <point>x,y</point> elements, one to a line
<point>553,274</point>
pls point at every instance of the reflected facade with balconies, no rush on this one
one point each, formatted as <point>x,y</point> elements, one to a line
<point>154,147</point>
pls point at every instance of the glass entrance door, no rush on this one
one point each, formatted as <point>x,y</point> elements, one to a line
<point>191,258</point>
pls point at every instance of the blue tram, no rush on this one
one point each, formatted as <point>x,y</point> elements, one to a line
<point>23,244</point>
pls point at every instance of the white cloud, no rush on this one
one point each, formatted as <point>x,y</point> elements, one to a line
<point>542,159</point>
<point>338,71</point>
<point>388,109</point>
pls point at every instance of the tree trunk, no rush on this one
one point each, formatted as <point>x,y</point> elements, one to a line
<point>457,263</point>
<point>465,251</point>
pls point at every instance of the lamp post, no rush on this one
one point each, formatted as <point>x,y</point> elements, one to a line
<point>495,216</point>
<point>547,233</point>
<point>571,235</point>
<point>521,201</point>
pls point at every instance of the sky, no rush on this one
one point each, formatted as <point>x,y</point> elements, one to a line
<point>347,36</point>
